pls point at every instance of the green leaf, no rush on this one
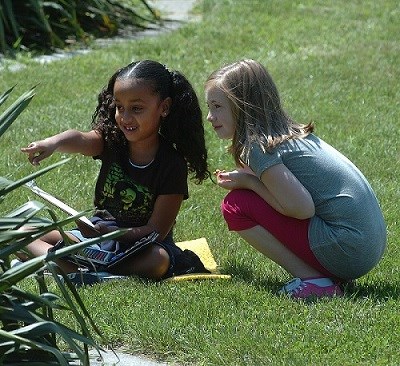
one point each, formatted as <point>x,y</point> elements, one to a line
<point>7,186</point>
<point>5,95</point>
<point>16,274</point>
<point>3,43</point>
<point>12,112</point>
<point>17,340</point>
<point>27,210</point>
<point>34,301</point>
<point>10,17</point>
<point>29,333</point>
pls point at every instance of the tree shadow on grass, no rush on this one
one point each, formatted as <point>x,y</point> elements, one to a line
<point>380,292</point>
<point>246,274</point>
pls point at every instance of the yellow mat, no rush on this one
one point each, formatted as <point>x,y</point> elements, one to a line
<point>201,248</point>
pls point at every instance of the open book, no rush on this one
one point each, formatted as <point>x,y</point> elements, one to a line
<point>94,256</point>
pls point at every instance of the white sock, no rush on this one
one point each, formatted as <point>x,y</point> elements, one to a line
<point>323,282</point>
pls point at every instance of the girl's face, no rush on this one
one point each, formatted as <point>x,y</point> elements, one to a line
<point>220,113</point>
<point>138,110</point>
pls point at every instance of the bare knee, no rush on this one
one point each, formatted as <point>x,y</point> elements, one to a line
<point>153,263</point>
<point>160,265</point>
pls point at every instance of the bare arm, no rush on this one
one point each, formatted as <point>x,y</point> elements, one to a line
<point>278,187</point>
<point>162,220</point>
<point>71,141</point>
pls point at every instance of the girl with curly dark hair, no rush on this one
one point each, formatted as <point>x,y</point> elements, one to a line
<point>147,130</point>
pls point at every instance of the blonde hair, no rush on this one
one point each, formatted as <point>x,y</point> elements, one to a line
<point>257,108</point>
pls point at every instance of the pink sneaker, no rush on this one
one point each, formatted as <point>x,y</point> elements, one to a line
<point>311,288</point>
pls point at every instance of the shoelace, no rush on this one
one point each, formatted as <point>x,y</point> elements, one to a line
<point>292,285</point>
<point>301,286</point>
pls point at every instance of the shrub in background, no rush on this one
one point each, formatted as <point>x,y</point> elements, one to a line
<point>46,25</point>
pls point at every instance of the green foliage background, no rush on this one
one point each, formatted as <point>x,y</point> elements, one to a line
<point>37,25</point>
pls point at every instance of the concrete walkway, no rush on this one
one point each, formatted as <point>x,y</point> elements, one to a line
<point>177,10</point>
<point>110,359</point>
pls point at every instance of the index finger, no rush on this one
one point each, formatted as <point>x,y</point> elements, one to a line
<point>29,148</point>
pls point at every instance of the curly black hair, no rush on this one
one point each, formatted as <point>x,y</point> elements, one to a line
<point>183,127</point>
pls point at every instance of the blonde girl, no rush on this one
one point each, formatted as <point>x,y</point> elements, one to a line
<point>293,197</point>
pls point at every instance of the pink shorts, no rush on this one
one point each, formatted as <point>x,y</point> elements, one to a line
<point>244,209</point>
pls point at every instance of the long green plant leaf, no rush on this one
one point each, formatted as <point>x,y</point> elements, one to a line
<point>5,95</point>
<point>7,186</point>
<point>25,312</point>
<point>34,301</point>
<point>45,25</point>
<point>25,212</point>
<point>37,7</point>
<point>12,112</point>
<point>150,9</point>
<point>16,274</point>
<point>23,238</point>
<point>9,16</point>
<point>15,310</point>
<point>76,296</point>
<point>29,332</point>
<point>9,223</point>
<point>3,43</point>
<point>40,329</point>
<point>13,339</point>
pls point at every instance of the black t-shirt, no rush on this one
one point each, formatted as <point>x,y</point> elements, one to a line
<point>129,193</point>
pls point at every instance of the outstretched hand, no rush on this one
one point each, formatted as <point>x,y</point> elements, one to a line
<point>37,151</point>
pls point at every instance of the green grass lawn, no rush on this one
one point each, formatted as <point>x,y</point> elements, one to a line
<point>335,63</point>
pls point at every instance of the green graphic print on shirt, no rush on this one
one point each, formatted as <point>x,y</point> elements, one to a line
<point>129,202</point>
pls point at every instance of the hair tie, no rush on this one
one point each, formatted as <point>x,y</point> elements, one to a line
<point>166,68</point>
<point>171,78</point>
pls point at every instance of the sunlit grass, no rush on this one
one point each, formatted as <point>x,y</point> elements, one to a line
<point>335,63</point>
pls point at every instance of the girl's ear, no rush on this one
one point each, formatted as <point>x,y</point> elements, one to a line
<point>166,106</point>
